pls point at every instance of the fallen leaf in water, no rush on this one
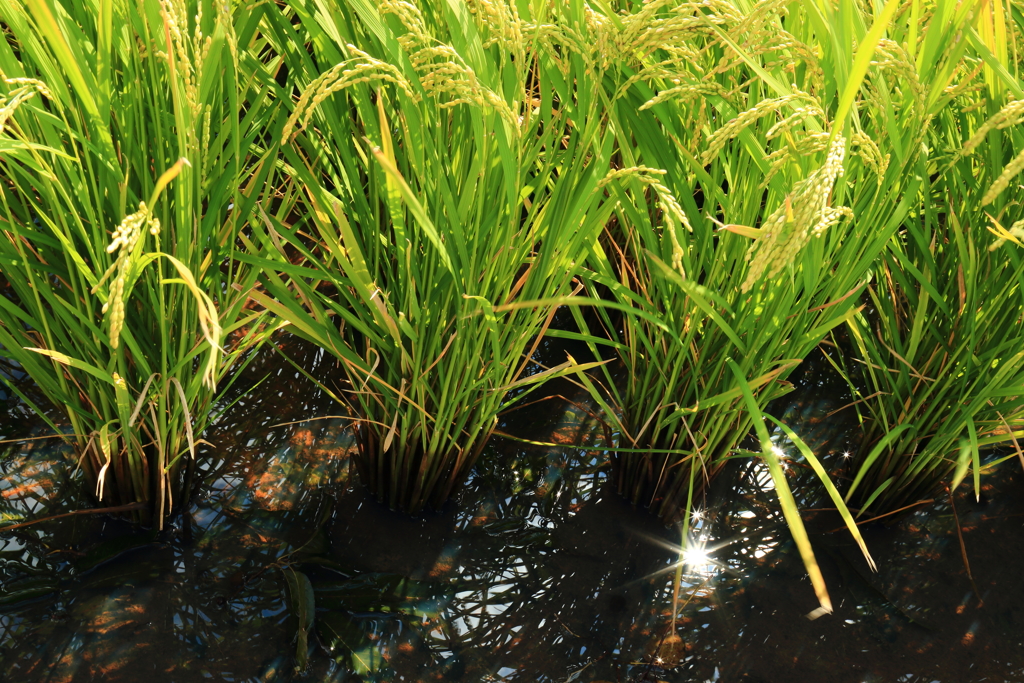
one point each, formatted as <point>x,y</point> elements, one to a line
<point>671,651</point>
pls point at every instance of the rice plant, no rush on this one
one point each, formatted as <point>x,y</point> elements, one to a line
<point>791,138</point>
<point>125,131</point>
<point>433,198</point>
<point>938,366</point>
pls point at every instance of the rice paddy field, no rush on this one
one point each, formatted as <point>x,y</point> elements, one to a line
<point>511,340</point>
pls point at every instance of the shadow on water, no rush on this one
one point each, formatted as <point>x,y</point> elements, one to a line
<point>536,571</point>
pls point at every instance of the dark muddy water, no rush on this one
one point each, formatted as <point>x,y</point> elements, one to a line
<point>537,571</point>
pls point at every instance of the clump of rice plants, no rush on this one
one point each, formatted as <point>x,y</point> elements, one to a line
<point>938,369</point>
<point>123,175</point>
<point>757,183</point>
<point>435,198</point>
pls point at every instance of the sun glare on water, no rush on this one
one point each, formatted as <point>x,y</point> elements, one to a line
<point>696,557</point>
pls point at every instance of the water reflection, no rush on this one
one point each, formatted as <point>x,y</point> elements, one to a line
<point>536,572</point>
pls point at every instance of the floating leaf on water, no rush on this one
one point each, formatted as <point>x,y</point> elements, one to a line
<point>28,589</point>
<point>671,651</point>
<point>300,591</point>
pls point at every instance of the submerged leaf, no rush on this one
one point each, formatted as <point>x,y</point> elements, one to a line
<point>303,605</point>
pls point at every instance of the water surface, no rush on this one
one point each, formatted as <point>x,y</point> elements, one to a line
<point>537,571</point>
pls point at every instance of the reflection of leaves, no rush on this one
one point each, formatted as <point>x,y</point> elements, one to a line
<point>522,598</point>
<point>109,549</point>
<point>317,542</point>
<point>340,631</point>
<point>28,588</point>
<point>853,577</point>
<point>358,617</point>
<point>303,604</point>
<point>384,593</point>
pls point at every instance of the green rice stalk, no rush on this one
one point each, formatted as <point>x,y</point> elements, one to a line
<point>747,221</point>
<point>939,352</point>
<point>124,166</point>
<point>434,201</point>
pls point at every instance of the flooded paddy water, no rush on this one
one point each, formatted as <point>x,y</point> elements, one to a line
<point>537,570</point>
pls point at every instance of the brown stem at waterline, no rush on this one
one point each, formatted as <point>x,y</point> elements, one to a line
<point>130,507</point>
